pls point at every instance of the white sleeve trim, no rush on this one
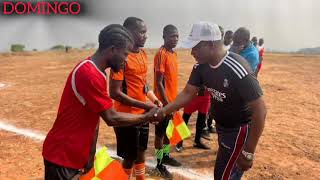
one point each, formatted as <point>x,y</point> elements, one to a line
<point>73,80</point>
<point>73,83</point>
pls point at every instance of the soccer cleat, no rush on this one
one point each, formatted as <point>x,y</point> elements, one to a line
<point>206,135</point>
<point>212,129</point>
<point>170,161</point>
<point>163,172</point>
<point>200,145</point>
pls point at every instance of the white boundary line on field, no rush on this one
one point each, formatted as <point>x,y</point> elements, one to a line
<point>2,85</point>
<point>185,172</point>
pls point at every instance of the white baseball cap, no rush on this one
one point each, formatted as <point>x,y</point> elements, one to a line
<point>202,31</point>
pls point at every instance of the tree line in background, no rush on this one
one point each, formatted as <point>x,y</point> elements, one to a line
<point>59,47</point>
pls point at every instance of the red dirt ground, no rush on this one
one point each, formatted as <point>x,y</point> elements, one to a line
<point>289,147</point>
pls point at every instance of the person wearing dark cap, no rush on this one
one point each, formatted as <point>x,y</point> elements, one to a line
<point>69,147</point>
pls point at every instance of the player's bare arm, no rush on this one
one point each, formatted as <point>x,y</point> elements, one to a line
<point>187,94</point>
<point>117,94</point>
<point>259,113</point>
<point>160,78</point>
<point>114,118</point>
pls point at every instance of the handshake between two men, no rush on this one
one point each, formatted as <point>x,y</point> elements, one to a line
<point>156,113</point>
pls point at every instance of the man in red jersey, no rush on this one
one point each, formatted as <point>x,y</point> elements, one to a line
<point>70,145</point>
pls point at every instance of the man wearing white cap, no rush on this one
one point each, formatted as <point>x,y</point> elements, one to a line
<point>237,99</point>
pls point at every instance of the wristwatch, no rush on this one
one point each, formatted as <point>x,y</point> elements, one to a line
<point>156,114</point>
<point>247,155</point>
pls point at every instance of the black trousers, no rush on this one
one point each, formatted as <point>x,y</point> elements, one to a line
<point>55,172</point>
<point>210,116</point>
<point>231,142</point>
<point>200,124</point>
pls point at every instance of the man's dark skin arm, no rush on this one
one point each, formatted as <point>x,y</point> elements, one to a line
<point>259,113</point>
<point>187,94</point>
<point>162,91</point>
<point>114,118</point>
<point>115,90</point>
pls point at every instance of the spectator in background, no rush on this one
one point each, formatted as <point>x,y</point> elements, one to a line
<point>244,47</point>
<point>261,53</point>
<point>254,40</point>
<point>227,40</point>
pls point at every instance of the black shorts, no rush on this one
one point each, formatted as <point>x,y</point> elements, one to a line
<point>161,128</point>
<point>131,139</point>
<point>55,172</point>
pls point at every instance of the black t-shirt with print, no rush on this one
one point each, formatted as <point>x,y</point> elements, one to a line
<point>232,85</point>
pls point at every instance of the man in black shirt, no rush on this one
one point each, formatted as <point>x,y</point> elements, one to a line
<point>237,99</point>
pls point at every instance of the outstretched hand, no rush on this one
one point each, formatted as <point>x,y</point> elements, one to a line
<point>151,115</point>
<point>160,115</point>
<point>243,164</point>
<point>158,103</point>
<point>150,106</point>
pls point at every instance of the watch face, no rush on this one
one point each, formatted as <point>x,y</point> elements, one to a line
<point>249,156</point>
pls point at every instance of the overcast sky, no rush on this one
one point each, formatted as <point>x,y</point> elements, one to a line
<point>284,24</point>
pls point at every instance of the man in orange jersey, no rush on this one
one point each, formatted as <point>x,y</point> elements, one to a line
<point>166,88</point>
<point>130,90</point>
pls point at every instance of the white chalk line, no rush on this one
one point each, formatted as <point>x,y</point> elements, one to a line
<point>2,85</point>
<point>184,172</point>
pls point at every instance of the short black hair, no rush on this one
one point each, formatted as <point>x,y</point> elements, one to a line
<point>243,33</point>
<point>169,28</point>
<point>114,35</point>
<point>228,32</point>
<point>131,23</point>
<point>261,41</point>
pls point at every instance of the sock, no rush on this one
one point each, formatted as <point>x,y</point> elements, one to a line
<point>166,149</point>
<point>159,156</point>
<point>128,172</point>
<point>140,171</point>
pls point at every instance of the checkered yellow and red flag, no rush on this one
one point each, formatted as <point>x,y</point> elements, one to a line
<point>177,129</point>
<point>105,168</point>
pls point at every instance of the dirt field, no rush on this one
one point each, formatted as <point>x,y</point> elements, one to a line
<point>288,149</point>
